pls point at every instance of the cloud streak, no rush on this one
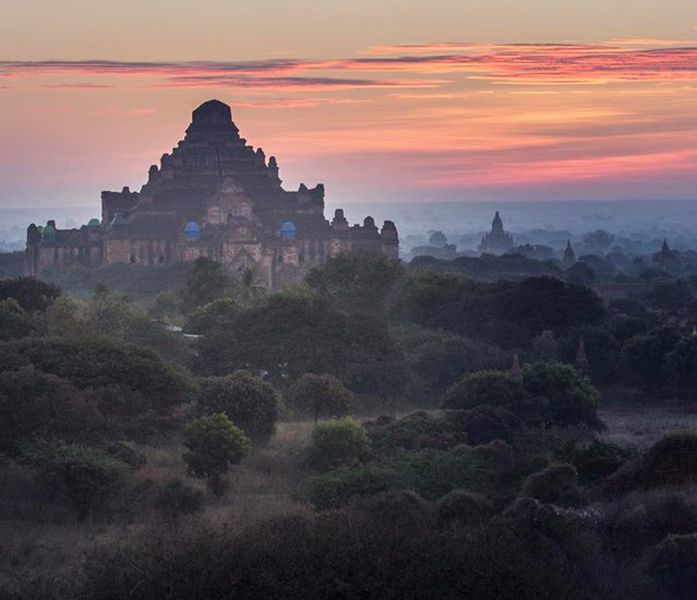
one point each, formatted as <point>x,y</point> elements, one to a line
<point>621,60</point>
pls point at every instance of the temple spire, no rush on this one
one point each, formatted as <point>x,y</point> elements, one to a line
<point>516,371</point>
<point>581,362</point>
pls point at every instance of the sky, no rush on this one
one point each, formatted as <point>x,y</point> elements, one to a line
<point>409,101</point>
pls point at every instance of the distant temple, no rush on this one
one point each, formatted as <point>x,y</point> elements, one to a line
<point>213,196</point>
<point>666,259</point>
<point>569,258</point>
<point>497,241</point>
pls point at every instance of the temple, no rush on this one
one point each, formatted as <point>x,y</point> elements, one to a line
<point>497,241</point>
<point>213,196</point>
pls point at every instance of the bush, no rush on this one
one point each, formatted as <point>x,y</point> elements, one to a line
<point>90,363</point>
<point>485,423</point>
<point>414,431</point>
<point>567,396</point>
<point>319,396</point>
<point>670,461</point>
<point>464,507</point>
<point>337,442</point>
<point>213,444</point>
<point>673,563</point>
<point>177,498</point>
<point>249,402</point>
<point>429,473</point>
<point>554,485</point>
<point>495,388</point>
<point>35,405</point>
<point>88,478</point>
<point>594,461</point>
<point>644,519</point>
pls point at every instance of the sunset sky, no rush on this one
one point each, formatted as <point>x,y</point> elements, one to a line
<point>382,101</point>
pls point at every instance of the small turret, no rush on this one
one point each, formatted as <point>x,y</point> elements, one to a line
<point>339,222</point>
<point>272,169</point>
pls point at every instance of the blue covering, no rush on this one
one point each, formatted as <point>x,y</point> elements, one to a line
<point>288,231</point>
<point>192,230</point>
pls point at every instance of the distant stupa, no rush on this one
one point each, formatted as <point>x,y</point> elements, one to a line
<point>497,241</point>
<point>569,259</point>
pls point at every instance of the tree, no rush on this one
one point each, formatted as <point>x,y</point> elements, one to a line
<point>206,282</point>
<point>90,364</point>
<point>247,401</point>
<point>221,313</point>
<point>644,358</point>
<point>495,388</point>
<point>14,322</point>
<point>31,294</point>
<point>337,442</point>
<point>214,443</point>
<point>34,405</point>
<point>356,282</point>
<point>319,396</point>
<point>674,295</point>
<point>682,363</point>
<point>293,335</point>
<point>437,359</point>
<point>567,396</point>
<point>601,346</point>
<point>599,241</point>
<point>87,477</point>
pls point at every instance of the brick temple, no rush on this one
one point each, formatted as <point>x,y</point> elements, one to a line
<point>217,197</point>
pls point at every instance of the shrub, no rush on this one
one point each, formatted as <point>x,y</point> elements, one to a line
<point>568,397</point>
<point>554,485</point>
<point>337,442</point>
<point>90,363</point>
<point>177,498</point>
<point>495,388</point>
<point>429,473</point>
<point>87,477</point>
<point>14,321</point>
<point>594,461</point>
<point>464,507</point>
<point>673,563</point>
<point>319,396</point>
<point>36,405</point>
<point>413,431</point>
<point>643,519</point>
<point>485,423</point>
<point>670,461</point>
<point>247,401</point>
<point>213,444</point>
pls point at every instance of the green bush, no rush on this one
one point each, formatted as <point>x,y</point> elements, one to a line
<point>177,498</point>
<point>567,396</point>
<point>429,473</point>
<point>319,396</point>
<point>464,507</point>
<point>485,423</point>
<point>414,431</point>
<point>90,363</point>
<point>213,444</point>
<point>249,402</point>
<point>593,461</point>
<point>35,405</point>
<point>88,478</point>
<point>495,388</point>
<point>554,485</point>
<point>337,442</point>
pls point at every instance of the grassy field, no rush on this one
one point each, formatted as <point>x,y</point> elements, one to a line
<point>33,542</point>
<point>639,426</point>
